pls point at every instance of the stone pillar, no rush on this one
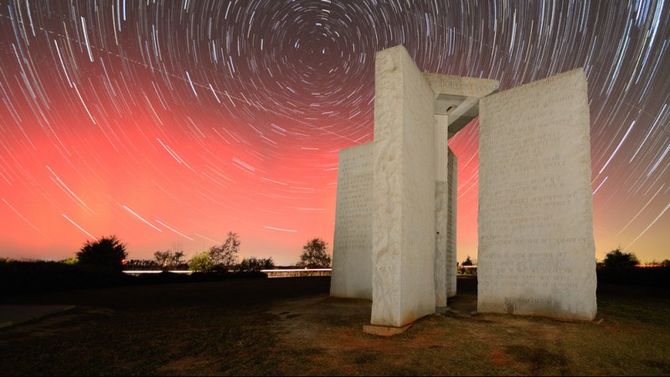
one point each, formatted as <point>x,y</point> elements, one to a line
<point>403,215</point>
<point>536,249</point>
<point>352,244</point>
<point>452,194</point>
<point>441,210</point>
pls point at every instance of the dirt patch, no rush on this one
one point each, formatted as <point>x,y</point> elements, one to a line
<point>189,365</point>
<point>499,357</point>
<point>539,360</point>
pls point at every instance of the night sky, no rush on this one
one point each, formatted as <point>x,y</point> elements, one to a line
<point>170,123</point>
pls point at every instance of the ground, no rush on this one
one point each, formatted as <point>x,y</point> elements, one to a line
<point>291,326</point>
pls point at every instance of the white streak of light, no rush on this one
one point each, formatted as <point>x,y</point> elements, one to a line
<point>174,230</point>
<point>206,238</point>
<point>665,152</point>
<point>23,217</point>
<point>617,147</point>
<point>639,212</point>
<point>63,185</point>
<point>88,45</point>
<point>141,218</point>
<point>214,92</point>
<point>650,225</point>
<point>83,103</point>
<point>172,153</point>
<point>78,227</point>
<point>191,83</point>
<point>599,186</point>
<point>280,229</point>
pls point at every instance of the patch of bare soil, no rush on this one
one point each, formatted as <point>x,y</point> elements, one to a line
<point>326,337</point>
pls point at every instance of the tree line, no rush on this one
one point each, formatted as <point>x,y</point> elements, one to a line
<point>615,260</point>
<point>109,253</point>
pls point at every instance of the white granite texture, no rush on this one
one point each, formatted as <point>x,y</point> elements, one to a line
<point>460,86</point>
<point>452,195</point>
<point>352,245</point>
<point>403,219</point>
<point>441,243</point>
<point>536,249</point>
<point>441,209</point>
<point>395,227</point>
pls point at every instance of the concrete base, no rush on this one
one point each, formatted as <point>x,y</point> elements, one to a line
<point>385,331</point>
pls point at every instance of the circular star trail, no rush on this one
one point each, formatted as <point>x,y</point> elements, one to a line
<point>170,123</point>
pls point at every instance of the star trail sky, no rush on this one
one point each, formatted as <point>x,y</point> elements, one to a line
<point>169,123</point>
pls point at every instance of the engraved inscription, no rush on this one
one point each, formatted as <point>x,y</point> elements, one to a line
<point>536,250</point>
<point>352,246</point>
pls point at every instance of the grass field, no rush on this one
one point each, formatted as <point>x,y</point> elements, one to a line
<point>291,326</point>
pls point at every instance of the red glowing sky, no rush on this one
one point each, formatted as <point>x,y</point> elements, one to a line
<point>170,125</point>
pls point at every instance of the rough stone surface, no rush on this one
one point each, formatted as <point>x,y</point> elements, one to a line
<point>452,195</point>
<point>395,231</point>
<point>441,209</point>
<point>352,245</point>
<point>441,244</point>
<point>459,85</point>
<point>536,249</point>
<point>403,219</point>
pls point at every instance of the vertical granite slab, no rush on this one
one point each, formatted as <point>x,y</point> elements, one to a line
<point>403,216</point>
<point>352,245</point>
<point>441,209</point>
<point>536,249</point>
<point>452,195</point>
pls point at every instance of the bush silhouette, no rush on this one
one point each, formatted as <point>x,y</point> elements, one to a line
<point>618,260</point>
<point>107,254</point>
<point>201,262</point>
<point>253,264</point>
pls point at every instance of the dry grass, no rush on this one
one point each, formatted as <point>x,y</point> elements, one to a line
<point>232,328</point>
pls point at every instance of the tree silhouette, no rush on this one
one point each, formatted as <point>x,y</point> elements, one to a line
<point>618,260</point>
<point>314,254</point>
<point>169,259</point>
<point>225,255</point>
<point>107,253</point>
